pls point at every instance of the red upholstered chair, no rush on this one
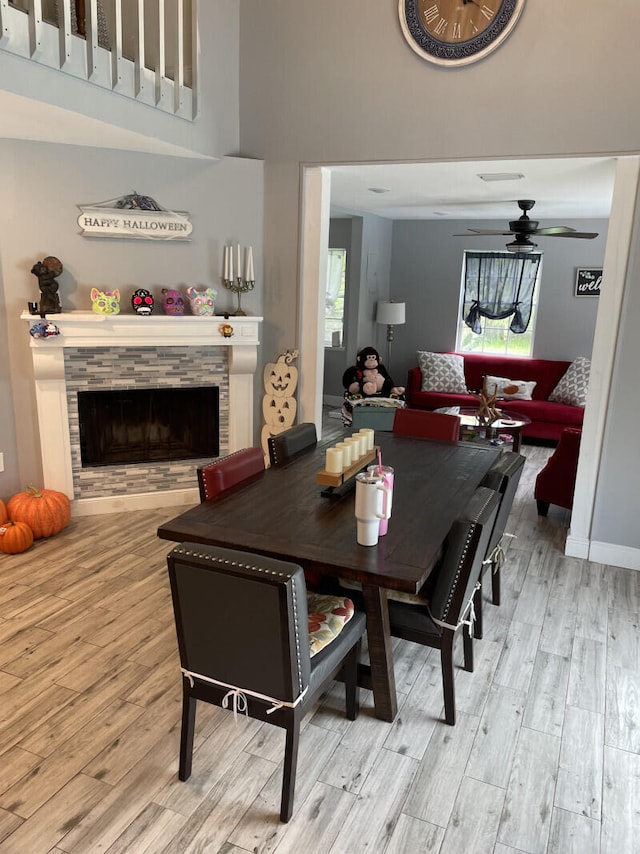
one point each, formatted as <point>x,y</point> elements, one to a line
<point>557,481</point>
<point>229,471</point>
<point>430,425</point>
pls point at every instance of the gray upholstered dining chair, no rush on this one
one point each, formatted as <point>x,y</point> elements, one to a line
<point>504,477</point>
<point>286,446</point>
<point>445,603</point>
<point>246,641</point>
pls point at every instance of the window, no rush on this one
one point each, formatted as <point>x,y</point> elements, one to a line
<point>498,303</point>
<point>334,298</point>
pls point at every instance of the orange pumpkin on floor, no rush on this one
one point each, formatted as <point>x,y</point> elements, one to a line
<point>3,511</point>
<point>15,537</point>
<point>45,511</point>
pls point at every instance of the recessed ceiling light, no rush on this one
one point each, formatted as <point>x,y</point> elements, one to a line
<point>501,176</point>
<point>378,190</point>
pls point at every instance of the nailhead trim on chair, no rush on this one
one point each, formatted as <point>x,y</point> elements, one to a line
<point>205,556</point>
<point>215,463</point>
<point>465,549</point>
<point>481,510</point>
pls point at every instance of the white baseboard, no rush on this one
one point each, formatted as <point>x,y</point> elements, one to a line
<point>139,501</point>
<point>576,546</point>
<point>624,556</point>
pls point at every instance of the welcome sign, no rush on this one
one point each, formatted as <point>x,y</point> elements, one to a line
<point>134,216</point>
<point>588,282</point>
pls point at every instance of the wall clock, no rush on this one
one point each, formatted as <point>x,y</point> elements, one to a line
<point>457,32</point>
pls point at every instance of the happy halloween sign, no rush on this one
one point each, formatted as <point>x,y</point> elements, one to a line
<point>134,216</point>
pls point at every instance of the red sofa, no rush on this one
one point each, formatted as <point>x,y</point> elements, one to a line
<point>548,419</point>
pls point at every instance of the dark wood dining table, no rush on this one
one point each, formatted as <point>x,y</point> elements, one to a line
<point>282,513</point>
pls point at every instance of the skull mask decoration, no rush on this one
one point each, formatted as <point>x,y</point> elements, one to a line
<point>172,302</point>
<point>142,302</point>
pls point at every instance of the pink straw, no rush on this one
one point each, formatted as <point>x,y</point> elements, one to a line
<point>379,462</point>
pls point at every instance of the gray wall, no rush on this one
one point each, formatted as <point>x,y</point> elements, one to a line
<point>41,186</point>
<point>426,266</point>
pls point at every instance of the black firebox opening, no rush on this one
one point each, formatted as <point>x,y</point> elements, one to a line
<point>122,426</point>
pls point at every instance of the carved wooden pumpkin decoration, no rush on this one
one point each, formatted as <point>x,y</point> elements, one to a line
<point>279,411</point>
<point>279,406</point>
<point>281,377</point>
<point>15,537</point>
<point>45,511</point>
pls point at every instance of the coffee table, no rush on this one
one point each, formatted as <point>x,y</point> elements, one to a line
<point>510,423</point>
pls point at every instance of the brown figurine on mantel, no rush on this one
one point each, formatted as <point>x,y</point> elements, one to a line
<point>46,272</point>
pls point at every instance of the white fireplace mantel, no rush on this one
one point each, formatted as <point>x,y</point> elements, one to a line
<point>88,329</point>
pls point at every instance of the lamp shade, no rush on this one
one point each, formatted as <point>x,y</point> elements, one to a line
<point>391,313</point>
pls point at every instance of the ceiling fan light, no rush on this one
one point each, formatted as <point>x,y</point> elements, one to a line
<point>514,246</point>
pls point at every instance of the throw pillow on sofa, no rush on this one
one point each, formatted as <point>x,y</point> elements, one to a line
<point>509,389</point>
<point>443,372</point>
<point>572,388</point>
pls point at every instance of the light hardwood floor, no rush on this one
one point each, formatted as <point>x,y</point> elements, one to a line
<point>545,756</point>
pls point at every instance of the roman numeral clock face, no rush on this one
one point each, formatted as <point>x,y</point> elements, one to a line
<point>457,32</point>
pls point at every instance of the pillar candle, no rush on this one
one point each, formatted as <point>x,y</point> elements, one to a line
<point>369,433</point>
<point>355,447</point>
<point>362,443</point>
<point>333,461</point>
<point>346,453</point>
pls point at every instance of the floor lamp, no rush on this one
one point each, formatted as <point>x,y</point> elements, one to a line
<point>393,314</point>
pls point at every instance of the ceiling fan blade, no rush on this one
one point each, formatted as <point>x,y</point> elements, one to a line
<point>585,235</point>
<point>481,231</point>
<point>555,229</point>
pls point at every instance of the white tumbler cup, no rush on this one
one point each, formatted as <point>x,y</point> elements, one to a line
<point>387,474</point>
<point>372,499</point>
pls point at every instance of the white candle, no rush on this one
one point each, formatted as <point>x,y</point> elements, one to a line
<point>369,433</point>
<point>333,462</point>
<point>362,443</point>
<point>239,262</point>
<point>225,263</point>
<point>346,453</point>
<point>250,275</point>
<point>230,262</point>
<point>355,447</point>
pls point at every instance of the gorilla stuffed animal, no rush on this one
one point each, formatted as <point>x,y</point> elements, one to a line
<point>369,377</point>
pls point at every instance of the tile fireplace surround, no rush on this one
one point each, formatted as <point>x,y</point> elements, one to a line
<point>126,351</point>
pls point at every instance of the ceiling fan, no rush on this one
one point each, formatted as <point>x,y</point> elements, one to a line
<point>524,228</point>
